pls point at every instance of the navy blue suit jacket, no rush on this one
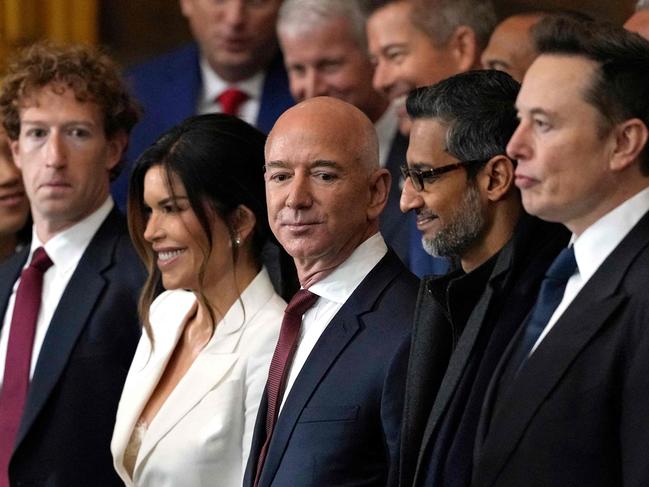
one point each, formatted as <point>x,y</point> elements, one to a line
<point>65,431</point>
<point>168,88</point>
<point>340,421</point>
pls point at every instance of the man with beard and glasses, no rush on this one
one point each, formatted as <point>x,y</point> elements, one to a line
<point>460,183</point>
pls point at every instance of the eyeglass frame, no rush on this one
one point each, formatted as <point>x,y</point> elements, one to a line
<point>417,175</point>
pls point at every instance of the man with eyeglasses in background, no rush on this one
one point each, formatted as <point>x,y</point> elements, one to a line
<point>460,183</point>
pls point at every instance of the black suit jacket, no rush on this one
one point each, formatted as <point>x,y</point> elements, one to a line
<point>340,422</point>
<point>442,347</point>
<point>576,413</point>
<point>64,435</point>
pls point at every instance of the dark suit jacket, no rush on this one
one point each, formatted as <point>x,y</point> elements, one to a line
<point>576,413</point>
<point>340,422</point>
<point>64,435</point>
<point>168,88</point>
<point>442,346</point>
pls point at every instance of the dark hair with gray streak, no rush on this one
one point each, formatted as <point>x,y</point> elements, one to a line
<point>478,109</point>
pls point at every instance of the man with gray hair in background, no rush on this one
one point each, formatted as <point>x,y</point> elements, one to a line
<point>325,53</point>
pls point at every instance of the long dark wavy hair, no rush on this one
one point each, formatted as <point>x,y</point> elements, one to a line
<point>219,159</point>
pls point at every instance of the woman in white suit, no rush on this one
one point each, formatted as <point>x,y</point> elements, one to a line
<point>197,216</point>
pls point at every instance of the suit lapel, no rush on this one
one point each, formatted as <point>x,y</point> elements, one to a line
<point>70,318</point>
<point>144,374</point>
<point>588,312</point>
<point>330,345</point>
<point>431,345</point>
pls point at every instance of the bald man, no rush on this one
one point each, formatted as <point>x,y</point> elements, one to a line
<point>340,407</point>
<point>511,48</point>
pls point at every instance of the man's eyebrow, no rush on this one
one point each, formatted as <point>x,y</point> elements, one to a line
<point>279,164</point>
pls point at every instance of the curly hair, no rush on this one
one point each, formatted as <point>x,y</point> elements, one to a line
<point>91,74</point>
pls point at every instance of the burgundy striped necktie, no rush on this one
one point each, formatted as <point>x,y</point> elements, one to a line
<point>15,382</point>
<point>281,361</point>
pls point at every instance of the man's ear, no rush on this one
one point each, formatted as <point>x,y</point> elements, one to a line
<point>379,189</point>
<point>116,147</point>
<point>464,48</point>
<point>630,140</point>
<point>497,177</point>
<point>14,145</point>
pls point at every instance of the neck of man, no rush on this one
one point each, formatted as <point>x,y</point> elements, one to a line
<point>241,72</point>
<point>312,270</point>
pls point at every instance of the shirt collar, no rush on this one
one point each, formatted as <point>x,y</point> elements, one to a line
<point>214,85</point>
<point>596,243</point>
<point>66,248</point>
<point>341,283</point>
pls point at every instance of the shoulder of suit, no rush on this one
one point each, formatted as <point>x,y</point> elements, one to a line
<point>185,55</point>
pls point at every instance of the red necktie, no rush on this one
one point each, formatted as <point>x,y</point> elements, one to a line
<point>279,365</point>
<point>231,100</point>
<point>19,354</point>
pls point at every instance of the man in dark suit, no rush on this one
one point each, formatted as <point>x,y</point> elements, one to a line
<point>567,404</point>
<point>68,117</point>
<point>342,391</point>
<point>461,187</point>
<point>325,52</point>
<point>236,48</point>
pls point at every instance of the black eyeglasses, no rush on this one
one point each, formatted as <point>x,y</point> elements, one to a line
<point>420,178</point>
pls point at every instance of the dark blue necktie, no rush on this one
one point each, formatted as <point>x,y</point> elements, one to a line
<point>551,294</point>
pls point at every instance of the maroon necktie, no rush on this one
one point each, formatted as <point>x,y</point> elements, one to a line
<point>279,365</point>
<point>19,354</point>
<point>231,100</point>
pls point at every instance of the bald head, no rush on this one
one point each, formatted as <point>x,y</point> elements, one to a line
<point>324,187</point>
<point>511,47</point>
<point>332,120</point>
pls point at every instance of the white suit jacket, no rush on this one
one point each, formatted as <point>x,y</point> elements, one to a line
<point>202,433</point>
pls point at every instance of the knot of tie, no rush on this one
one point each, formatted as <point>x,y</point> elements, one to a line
<point>301,302</point>
<point>231,100</point>
<point>40,260</point>
<point>563,266</point>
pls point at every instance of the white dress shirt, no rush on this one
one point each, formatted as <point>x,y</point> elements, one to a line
<point>65,250</point>
<point>214,85</point>
<point>386,129</point>
<point>594,245</point>
<point>333,291</point>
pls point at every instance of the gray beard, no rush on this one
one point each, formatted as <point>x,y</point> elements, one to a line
<point>462,231</point>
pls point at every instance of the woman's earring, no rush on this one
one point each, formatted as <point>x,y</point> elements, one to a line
<point>237,241</point>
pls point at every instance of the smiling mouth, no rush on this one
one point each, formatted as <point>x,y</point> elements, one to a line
<point>167,255</point>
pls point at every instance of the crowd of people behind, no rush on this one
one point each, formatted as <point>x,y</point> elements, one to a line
<point>373,242</point>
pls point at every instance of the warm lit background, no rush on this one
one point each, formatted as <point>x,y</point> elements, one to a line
<point>136,29</point>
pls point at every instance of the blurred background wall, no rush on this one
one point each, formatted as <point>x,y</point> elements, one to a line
<point>136,29</point>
